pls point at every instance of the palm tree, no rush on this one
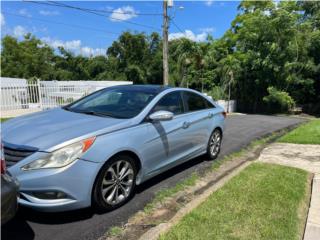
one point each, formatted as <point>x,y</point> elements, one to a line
<point>228,67</point>
<point>184,52</point>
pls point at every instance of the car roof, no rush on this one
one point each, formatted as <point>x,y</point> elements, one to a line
<point>145,88</point>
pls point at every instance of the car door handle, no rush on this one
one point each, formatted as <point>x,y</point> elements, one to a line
<point>185,125</point>
<point>210,115</point>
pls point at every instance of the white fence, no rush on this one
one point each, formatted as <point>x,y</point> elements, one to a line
<point>224,104</point>
<point>19,97</point>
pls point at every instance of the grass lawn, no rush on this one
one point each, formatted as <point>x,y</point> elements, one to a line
<point>308,133</point>
<point>4,119</point>
<point>263,202</point>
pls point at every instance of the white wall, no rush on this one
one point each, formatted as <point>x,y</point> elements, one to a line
<point>224,104</point>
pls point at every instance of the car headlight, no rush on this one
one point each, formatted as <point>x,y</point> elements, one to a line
<point>61,157</point>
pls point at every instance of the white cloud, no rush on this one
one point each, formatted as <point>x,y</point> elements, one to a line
<point>209,3</point>
<point>24,12</point>
<point>208,29</point>
<point>68,45</point>
<point>88,51</point>
<point>48,13</point>
<point>190,35</point>
<point>2,21</point>
<point>122,14</point>
<point>19,31</point>
<point>75,46</point>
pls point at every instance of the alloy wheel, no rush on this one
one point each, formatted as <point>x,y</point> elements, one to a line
<point>117,182</point>
<point>215,143</point>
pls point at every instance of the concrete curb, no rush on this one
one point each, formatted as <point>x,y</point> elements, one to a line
<point>154,233</point>
<point>312,231</point>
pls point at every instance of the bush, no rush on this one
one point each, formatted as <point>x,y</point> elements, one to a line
<point>217,93</point>
<point>278,101</point>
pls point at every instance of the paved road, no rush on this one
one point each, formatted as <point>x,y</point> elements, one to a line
<point>85,224</point>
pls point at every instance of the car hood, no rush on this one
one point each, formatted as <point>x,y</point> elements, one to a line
<point>46,129</point>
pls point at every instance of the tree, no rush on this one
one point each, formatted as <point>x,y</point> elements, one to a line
<point>268,41</point>
<point>137,55</point>
<point>270,50</point>
<point>29,58</point>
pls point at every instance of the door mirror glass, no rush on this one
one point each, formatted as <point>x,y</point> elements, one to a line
<point>161,116</point>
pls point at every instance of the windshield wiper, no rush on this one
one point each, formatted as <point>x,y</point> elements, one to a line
<point>100,114</point>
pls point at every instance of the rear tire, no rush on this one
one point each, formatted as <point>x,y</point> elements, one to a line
<point>115,183</point>
<point>214,144</point>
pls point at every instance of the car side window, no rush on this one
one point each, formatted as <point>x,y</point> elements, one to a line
<point>195,102</point>
<point>171,102</point>
<point>209,104</point>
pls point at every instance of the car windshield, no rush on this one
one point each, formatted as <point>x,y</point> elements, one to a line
<point>116,103</point>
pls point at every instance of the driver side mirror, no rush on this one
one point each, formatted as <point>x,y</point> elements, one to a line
<point>161,116</point>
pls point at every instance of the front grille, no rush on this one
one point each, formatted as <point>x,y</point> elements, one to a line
<point>14,154</point>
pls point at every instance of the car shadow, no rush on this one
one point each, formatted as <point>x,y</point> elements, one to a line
<point>19,227</point>
<point>169,173</point>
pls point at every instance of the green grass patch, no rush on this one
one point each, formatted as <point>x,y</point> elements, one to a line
<point>262,202</point>
<point>4,119</point>
<point>115,231</point>
<point>168,192</point>
<point>308,133</point>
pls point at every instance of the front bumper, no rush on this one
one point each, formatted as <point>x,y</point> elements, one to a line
<point>75,181</point>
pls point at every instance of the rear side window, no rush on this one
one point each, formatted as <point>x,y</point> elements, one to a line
<point>171,102</point>
<point>194,102</point>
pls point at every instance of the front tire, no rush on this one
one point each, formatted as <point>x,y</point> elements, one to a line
<point>115,183</point>
<point>214,144</point>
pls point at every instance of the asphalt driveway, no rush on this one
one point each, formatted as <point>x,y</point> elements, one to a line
<point>85,224</point>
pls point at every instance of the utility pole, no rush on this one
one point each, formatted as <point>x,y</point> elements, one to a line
<point>229,93</point>
<point>165,43</point>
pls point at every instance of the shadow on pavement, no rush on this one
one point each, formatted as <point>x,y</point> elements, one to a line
<point>19,228</point>
<point>169,173</point>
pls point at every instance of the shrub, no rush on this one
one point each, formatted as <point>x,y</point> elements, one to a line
<point>278,101</point>
<point>217,93</point>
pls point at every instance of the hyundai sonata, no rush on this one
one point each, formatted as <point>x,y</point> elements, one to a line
<point>94,151</point>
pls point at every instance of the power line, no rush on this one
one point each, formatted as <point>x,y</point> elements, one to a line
<point>113,11</point>
<point>92,12</point>
<point>174,23</point>
<point>61,23</point>
<point>58,4</point>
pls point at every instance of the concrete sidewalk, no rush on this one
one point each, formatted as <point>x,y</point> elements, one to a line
<point>306,157</point>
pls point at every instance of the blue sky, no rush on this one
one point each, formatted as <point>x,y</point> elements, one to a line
<point>90,34</point>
